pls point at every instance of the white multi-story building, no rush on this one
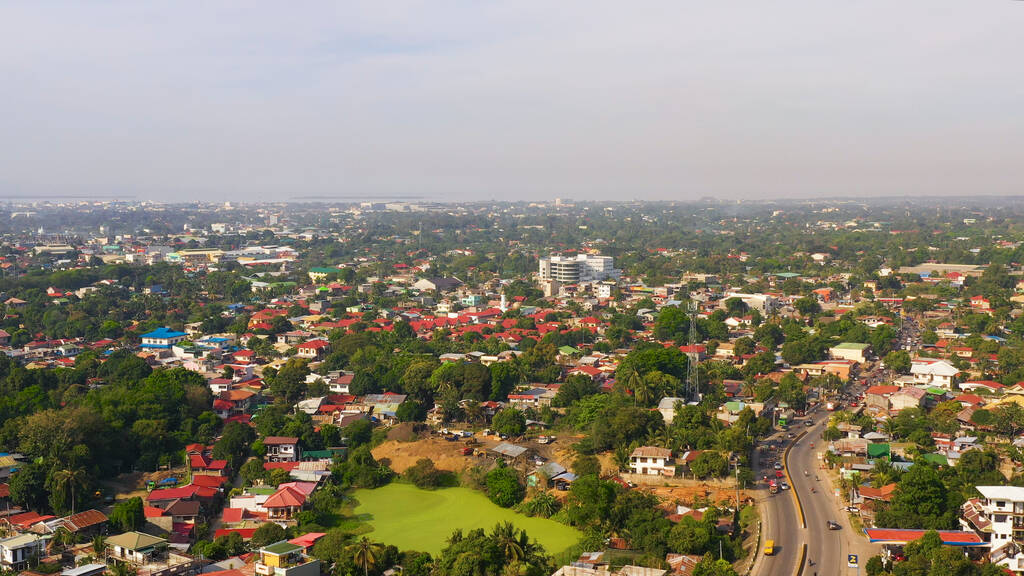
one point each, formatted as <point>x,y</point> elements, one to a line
<point>652,460</point>
<point>998,517</point>
<point>763,303</point>
<point>582,268</point>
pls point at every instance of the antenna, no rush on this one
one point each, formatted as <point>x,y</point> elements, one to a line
<point>692,388</point>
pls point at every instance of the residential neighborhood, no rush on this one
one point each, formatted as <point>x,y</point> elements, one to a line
<point>272,396</point>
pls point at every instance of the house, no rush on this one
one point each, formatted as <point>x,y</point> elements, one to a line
<point>84,524</point>
<point>682,564</point>
<point>907,397</point>
<point>667,407</point>
<point>438,284</point>
<point>16,551</point>
<point>995,517</point>
<point>93,569</point>
<point>883,494</point>
<point>134,547</point>
<point>932,372</point>
<point>652,460</point>
<point>877,397</point>
<point>988,386</point>
<point>285,559</point>
<point>850,351</point>
<point>163,338</point>
<point>340,384</point>
<point>314,349</point>
<point>234,403</point>
<point>285,504</point>
<point>531,398</point>
<point>282,449</point>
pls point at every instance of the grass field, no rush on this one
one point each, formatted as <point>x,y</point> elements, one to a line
<point>415,519</point>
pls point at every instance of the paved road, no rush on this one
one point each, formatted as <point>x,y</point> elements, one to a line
<point>781,519</point>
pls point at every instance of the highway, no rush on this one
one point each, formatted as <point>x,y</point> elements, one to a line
<point>828,549</point>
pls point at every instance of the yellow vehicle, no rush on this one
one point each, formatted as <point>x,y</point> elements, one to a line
<point>769,548</point>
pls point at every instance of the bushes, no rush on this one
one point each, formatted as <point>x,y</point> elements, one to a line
<point>709,465</point>
<point>503,487</point>
<point>424,475</point>
<point>509,421</point>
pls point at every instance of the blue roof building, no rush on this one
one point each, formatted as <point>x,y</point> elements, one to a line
<point>162,338</point>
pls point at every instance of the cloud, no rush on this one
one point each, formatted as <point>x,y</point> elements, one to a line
<point>460,100</point>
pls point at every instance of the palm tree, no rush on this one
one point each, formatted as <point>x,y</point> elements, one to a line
<point>512,544</point>
<point>641,391</point>
<point>365,553</point>
<point>99,545</point>
<point>621,457</point>
<point>70,479</point>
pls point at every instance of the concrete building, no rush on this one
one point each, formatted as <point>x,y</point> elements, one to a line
<point>16,551</point>
<point>763,303</point>
<point>285,559</point>
<point>652,461</point>
<point>582,268</point>
<point>998,517</point>
<point>932,372</point>
<point>854,351</point>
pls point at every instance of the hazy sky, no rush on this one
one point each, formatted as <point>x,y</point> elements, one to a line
<point>512,100</point>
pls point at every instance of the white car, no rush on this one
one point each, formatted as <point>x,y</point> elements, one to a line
<point>784,486</point>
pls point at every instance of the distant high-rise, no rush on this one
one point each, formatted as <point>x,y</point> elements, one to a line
<point>582,268</point>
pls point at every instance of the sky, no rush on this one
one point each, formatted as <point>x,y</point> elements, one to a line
<point>524,100</point>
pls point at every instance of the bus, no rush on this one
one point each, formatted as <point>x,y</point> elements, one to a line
<point>769,548</point>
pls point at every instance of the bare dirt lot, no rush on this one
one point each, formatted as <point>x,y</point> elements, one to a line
<point>445,455</point>
<point>697,492</point>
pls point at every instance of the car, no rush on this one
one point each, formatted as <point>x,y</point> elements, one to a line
<point>833,525</point>
<point>852,509</point>
<point>790,435</point>
<point>784,486</point>
<point>809,423</point>
<point>777,466</point>
<point>779,475</point>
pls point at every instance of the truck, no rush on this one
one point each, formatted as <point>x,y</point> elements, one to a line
<point>773,487</point>
<point>769,548</point>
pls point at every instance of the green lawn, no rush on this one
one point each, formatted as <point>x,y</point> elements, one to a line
<point>414,519</point>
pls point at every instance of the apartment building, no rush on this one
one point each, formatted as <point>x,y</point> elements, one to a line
<point>998,518</point>
<point>582,268</point>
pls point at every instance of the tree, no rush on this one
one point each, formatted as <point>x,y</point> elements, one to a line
<point>267,533</point>
<point>513,545</point>
<point>898,361</point>
<point>253,471</point>
<point>807,306</point>
<point>234,443</point>
<point>424,475</point>
<point>586,464</point>
<point>365,554</point>
<point>503,487</point>
<point>709,464</point>
<point>128,515</point>
<point>874,567</point>
<point>920,501</point>
<point>26,486</point>
<point>510,421</point>
<point>410,411</point>
<point>70,480</point>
